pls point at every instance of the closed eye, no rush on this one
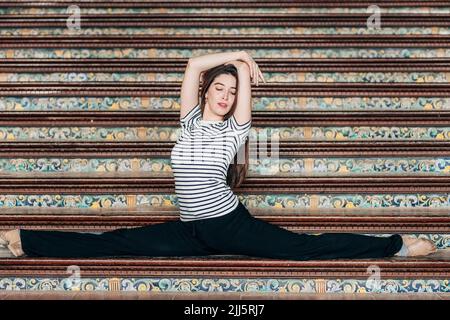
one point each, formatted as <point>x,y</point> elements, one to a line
<point>233,93</point>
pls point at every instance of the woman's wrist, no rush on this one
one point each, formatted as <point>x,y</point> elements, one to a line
<point>243,69</point>
<point>205,62</point>
<point>240,55</point>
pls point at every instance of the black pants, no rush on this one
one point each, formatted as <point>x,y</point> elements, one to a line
<point>235,233</point>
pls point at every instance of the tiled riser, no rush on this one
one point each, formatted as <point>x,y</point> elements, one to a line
<point>258,104</point>
<point>303,202</point>
<point>290,166</point>
<point>198,285</point>
<point>256,134</point>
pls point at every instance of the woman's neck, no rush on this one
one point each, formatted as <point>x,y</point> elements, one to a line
<point>211,117</point>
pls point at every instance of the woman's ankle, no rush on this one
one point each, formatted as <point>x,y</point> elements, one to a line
<point>403,252</point>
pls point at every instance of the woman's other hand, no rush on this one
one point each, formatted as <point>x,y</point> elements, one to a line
<point>255,72</point>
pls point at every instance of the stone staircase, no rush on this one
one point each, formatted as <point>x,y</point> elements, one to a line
<point>361,117</point>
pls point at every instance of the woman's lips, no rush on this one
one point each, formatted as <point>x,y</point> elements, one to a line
<point>223,105</point>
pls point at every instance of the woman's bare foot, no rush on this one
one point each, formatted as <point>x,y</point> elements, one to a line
<point>11,239</point>
<point>418,247</point>
<point>408,240</point>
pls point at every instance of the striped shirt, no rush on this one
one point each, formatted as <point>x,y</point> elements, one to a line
<point>200,160</point>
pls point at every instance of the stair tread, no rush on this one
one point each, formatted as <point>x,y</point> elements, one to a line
<point>441,257</point>
<point>222,3</point>
<point>161,149</point>
<point>434,266</point>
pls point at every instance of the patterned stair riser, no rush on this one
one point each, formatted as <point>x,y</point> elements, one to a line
<point>160,134</point>
<point>200,285</point>
<point>258,104</point>
<point>270,166</point>
<point>304,203</point>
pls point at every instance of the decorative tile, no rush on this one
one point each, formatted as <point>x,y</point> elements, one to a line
<point>282,166</point>
<point>257,134</point>
<point>363,77</point>
<point>302,202</point>
<point>235,285</point>
<point>258,103</point>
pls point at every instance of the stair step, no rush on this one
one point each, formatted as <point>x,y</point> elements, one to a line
<point>222,41</point>
<point>160,149</point>
<point>165,134</point>
<point>166,211</point>
<point>436,266</point>
<point>291,70</point>
<point>238,274</point>
<point>416,9</point>
<point>402,70</point>
<point>196,288</point>
<point>227,20</point>
<point>259,118</point>
<point>306,203</point>
<point>288,167</point>
<point>102,183</point>
<point>101,89</point>
<point>307,52</point>
<point>225,24</point>
<point>416,77</point>
<point>171,65</point>
<point>167,5</point>
<point>371,221</point>
<point>113,104</point>
<point>170,32</point>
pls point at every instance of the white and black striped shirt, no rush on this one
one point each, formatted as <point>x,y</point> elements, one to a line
<point>200,160</point>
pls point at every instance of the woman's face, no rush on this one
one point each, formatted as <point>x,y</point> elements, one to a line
<point>221,94</point>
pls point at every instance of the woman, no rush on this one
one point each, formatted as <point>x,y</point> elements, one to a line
<point>212,220</point>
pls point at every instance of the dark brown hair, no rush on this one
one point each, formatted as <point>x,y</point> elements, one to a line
<point>236,171</point>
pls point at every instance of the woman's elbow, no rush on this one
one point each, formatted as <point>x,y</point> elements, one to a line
<point>192,63</point>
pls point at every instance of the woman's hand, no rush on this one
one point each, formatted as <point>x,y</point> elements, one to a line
<point>255,72</point>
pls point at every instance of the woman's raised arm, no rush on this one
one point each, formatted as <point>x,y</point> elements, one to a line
<point>248,71</point>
